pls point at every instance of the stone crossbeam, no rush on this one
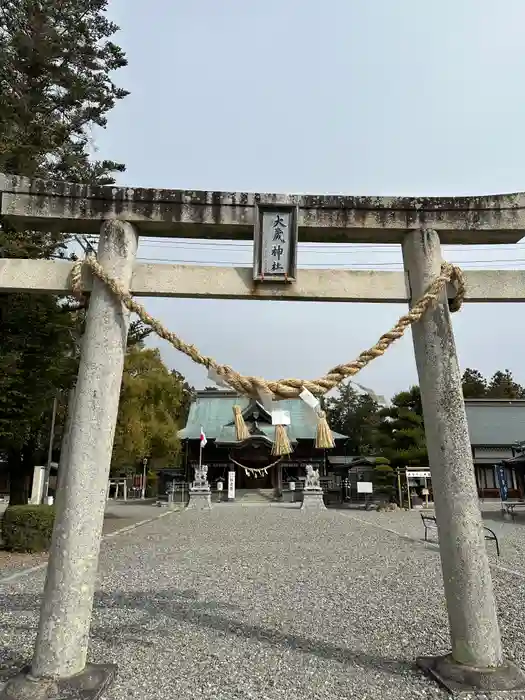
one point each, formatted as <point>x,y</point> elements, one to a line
<point>192,281</point>
<point>77,208</point>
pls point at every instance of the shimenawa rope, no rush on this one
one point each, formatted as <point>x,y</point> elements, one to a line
<point>255,471</point>
<point>283,388</point>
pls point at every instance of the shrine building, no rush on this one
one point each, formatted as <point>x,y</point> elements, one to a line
<point>212,410</point>
<point>495,427</point>
<point>497,431</point>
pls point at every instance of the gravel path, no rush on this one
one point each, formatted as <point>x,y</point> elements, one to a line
<point>264,603</point>
<point>510,534</point>
<point>118,517</point>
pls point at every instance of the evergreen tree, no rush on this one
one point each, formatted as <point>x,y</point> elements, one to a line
<point>137,333</point>
<point>188,394</point>
<point>503,386</point>
<point>384,478</point>
<point>56,62</point>
<point>401,433</point>
<point>355,415</point>
<point>474,385</point>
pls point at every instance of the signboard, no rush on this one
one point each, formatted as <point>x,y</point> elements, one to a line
<point>231,486</point>
<point>418,475</point>
<point>312,461</point>
<point>37,488</point>
<point>275,243</point>
<point>502,481</point>
<point>365,487</point>
<point>215,465</point>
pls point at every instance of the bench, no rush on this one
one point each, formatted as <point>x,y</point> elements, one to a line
<point>429,523</point>
<point>510,508</point>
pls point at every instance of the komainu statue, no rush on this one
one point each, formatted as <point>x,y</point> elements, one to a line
<point>312,478</point>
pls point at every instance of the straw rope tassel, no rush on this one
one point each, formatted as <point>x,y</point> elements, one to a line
<point>324,438</point>
<point>281,444</point>
<point>241,430</point>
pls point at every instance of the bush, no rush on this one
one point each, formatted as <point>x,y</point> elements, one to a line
<point>383,478</point>
<point>28,528</point>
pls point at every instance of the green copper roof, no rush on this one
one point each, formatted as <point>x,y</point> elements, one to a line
<point>213,411</point>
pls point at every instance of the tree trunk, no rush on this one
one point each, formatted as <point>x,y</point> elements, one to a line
<point>20,467</point>
<point>18,486</point>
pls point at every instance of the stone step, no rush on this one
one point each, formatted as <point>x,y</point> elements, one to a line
<point>254,495</point>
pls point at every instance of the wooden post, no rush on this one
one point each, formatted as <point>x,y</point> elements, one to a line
<point>399,489</point>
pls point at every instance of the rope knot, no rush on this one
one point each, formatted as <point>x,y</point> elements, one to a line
<point>457,278</point>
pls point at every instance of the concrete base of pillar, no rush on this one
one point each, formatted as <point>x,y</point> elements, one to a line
<point>94,680</point>
<point>200,499</point>
<point>313,499</point>
<point>505,680</point>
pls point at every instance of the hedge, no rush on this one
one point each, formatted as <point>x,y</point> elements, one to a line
<point>28,528</point>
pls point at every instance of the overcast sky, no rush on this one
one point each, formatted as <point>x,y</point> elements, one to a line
<point>361,97</point>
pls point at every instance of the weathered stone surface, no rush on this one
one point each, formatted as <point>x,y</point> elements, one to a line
<point>198,214</point>
<point>62,640</point>
<point>313,500</point>
<point>312,482</point>
<point>471,608</point>
<point>165,280</point>
<point>200,499</point>
<point>464,680</point>
<point>88,685</point>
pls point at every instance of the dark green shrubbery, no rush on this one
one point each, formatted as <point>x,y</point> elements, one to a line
<point>384,478</point>
<point>28,528</point>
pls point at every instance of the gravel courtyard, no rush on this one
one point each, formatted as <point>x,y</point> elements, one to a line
<point>267,603</point>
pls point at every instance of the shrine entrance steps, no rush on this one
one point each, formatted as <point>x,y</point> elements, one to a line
<point>255,496</point>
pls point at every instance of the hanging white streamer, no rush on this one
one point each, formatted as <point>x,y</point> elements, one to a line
<point>376,397</point>
<point>251,471</point>
<point>310,400</point>
<point>280,417</point>
<point>266,400</point>
<point>312,406</point>
<point>212,374</point>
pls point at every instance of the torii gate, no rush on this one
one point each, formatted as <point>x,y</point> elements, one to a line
<point>120,215</point>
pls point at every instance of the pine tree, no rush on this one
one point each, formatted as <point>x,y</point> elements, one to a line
<point>401,433</point>
<point>56,62</point>
<point>474,384</point>
<point>503,386</point>
<point>356,415</point>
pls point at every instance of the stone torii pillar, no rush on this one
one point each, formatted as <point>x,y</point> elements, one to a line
<point>476,657</point>
<point>476,661</point>
<point>59,666</point>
